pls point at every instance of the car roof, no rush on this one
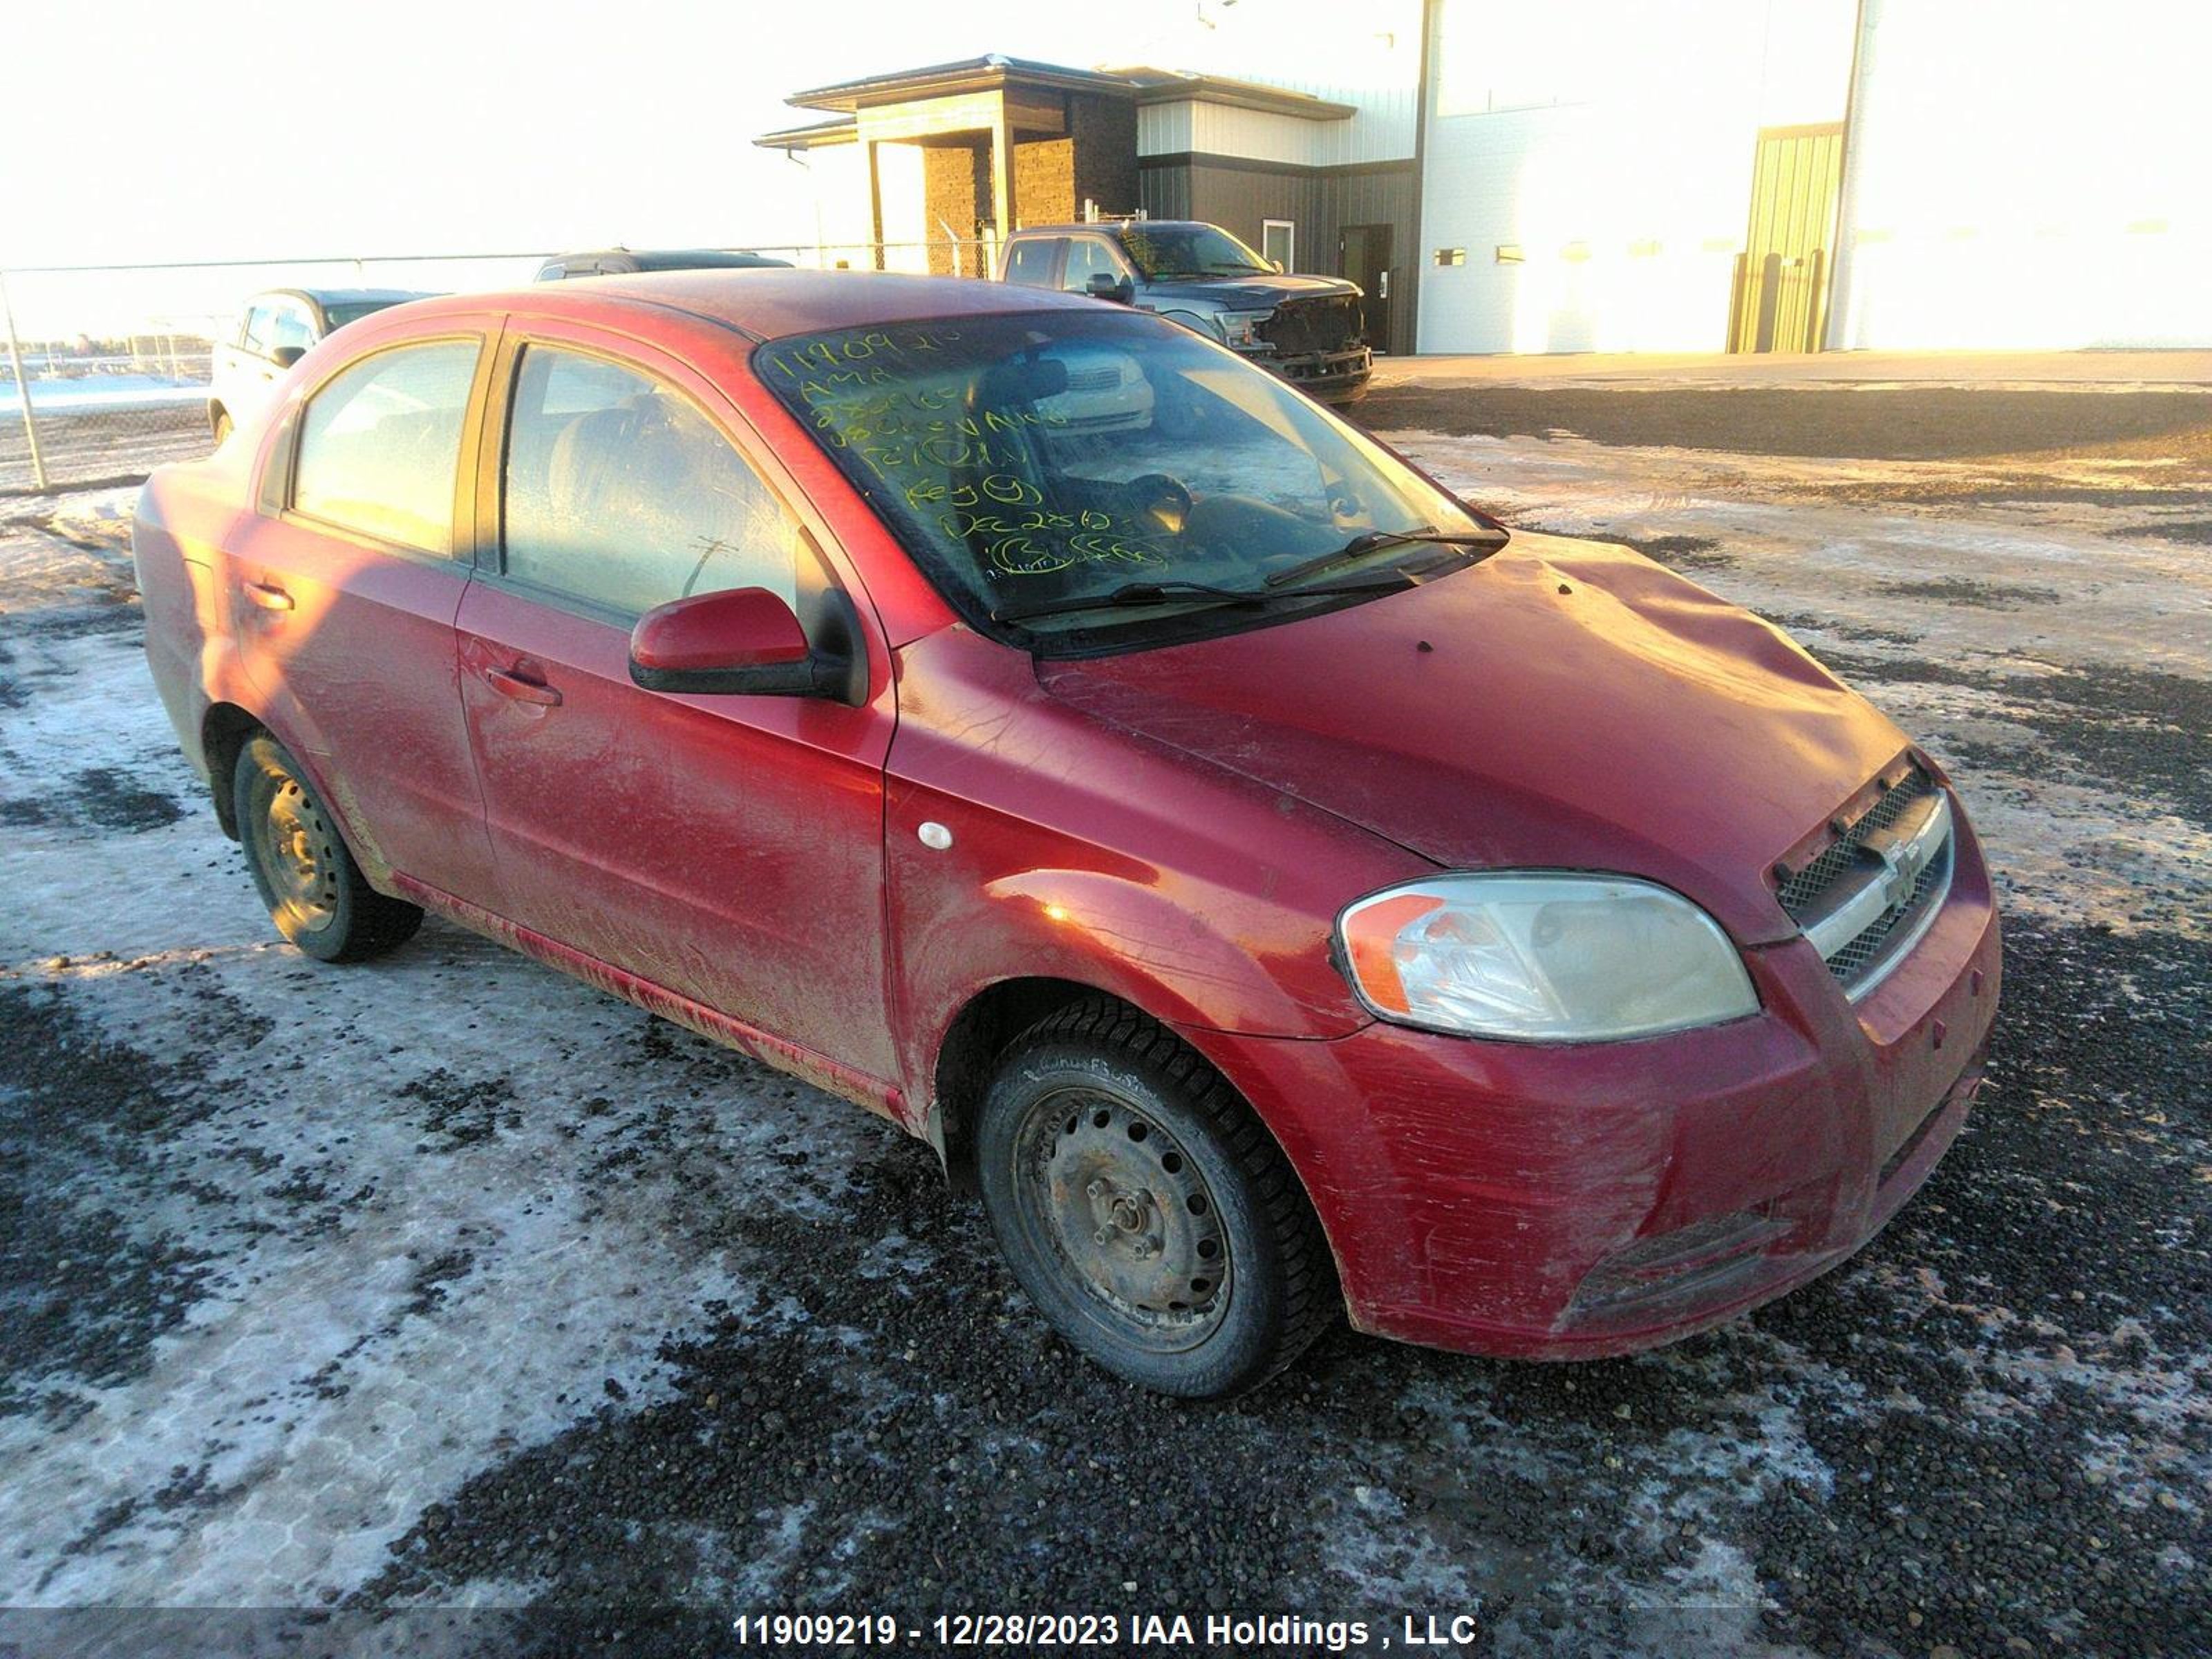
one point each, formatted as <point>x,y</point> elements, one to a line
<point>343,296</point>
<point>693,258</point>
<point>770,302</point>
<point>1107,226</point>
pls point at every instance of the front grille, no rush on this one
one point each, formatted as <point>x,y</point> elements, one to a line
<point>1106,378</point>
<point>1852,898</point>
<point>1327,322</point>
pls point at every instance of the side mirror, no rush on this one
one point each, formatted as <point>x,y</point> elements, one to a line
<point>285,357</point>
<point>1275,265</point>
<point>1104,285</point>
<point>742,640</point>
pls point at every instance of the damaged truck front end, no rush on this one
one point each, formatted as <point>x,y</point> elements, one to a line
<point>1308,331</point>
<point>1319,344</point>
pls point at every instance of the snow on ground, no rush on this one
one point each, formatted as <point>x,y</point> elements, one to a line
<point>448,1282</point>
<point>92,393</point>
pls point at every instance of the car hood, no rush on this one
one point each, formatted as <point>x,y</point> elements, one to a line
<point>1241,293</point>
<point>1563,704</point>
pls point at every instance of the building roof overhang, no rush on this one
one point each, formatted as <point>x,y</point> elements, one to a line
<point>998,74</point>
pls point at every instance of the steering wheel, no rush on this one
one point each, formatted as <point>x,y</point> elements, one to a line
<point>1165,500</point>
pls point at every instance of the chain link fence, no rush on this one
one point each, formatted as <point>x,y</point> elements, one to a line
<point>109,368</point>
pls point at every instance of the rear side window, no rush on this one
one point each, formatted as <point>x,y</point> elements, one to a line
<point>380,444</point>
<point>1031,263</point>
<point>618,492</point>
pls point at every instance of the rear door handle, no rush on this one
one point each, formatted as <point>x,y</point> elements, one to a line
<point>268,596</point>
<point>509,684</point>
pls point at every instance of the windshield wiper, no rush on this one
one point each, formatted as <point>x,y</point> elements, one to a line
<point>1373,541</point>
<point>1182,593</point>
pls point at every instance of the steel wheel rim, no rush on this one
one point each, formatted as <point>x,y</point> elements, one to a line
<point>1102,1188</point>
<point>297,852</point>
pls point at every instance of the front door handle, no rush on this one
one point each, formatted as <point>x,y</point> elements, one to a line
<point>268,596</point>
<point>509,684</point>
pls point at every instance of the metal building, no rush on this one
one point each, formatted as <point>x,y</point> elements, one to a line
<point>1606,175</point>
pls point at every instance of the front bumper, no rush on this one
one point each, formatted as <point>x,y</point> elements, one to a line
<point>1573,1202</point>
<point>1330,376</point>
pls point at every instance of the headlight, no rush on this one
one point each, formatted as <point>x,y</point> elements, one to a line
<point>1237,326</point>
<point>1541,957</point>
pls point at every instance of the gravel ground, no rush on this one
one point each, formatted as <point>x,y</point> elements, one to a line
<point>480,1313</point>
<point>81,448</point>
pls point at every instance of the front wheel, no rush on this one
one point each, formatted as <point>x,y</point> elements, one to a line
<point>1146,1211</point>
<point>316,894</point>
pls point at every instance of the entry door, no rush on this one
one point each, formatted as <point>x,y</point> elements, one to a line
<point>1367,262</point>
<point>1783,276</point>
<point>343,602</point>
<point>729,848</point>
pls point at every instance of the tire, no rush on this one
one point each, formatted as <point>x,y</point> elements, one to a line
<point>1146,1211</point>
<point>314,891</point>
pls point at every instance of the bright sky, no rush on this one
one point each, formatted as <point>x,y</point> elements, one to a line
<point>149,130</point>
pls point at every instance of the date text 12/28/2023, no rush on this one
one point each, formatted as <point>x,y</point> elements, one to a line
<point>1215,1632</point>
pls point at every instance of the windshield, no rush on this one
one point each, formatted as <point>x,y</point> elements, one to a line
<point>1032,462</point>
<point>1169,251</point>
<point>352,311</point>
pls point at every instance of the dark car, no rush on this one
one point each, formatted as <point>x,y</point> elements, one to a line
<point>1276,889</point>
<point>627,262</point>
<point>1310,330</point>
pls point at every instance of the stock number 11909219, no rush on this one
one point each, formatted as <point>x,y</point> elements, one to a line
<point>963,1630</point>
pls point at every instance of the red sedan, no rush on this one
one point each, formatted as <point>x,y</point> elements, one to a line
<point>1276,889</point>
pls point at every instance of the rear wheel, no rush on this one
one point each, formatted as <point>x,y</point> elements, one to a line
<point>1146,1211</point>
<point>315,892</point>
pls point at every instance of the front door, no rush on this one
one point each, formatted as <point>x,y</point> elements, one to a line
<point>1367,262</point>
<point>729,848</point>
<point>342,604</point>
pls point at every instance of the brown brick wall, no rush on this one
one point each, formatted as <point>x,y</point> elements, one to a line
<point>1105,134</point>
<point>1044,181</point>
<point>956,187</point>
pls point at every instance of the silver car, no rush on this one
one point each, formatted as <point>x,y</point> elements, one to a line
<point>279,327</point>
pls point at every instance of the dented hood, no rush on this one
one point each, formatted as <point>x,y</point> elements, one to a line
<point>1565,704</point>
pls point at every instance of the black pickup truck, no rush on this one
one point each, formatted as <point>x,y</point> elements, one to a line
<point>1311,331</point>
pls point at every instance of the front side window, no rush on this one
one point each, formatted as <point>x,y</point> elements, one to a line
<point>1029,263</point>
<point>258,334</point>
<point>380,445</point>
<point>290,327</point>
<point>1088,256</point>
<point>1033,463</point>
<point>618,492</point>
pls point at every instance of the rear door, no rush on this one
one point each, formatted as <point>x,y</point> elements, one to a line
<point>729,848</point>
<point>343,590</point>
<point>1034,261</point>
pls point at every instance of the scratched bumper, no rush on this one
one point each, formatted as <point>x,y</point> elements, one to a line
<point>1572,1202</point>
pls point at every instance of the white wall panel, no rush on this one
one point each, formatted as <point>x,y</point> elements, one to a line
<point>1611,142</point>
<point>2032,174</point>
